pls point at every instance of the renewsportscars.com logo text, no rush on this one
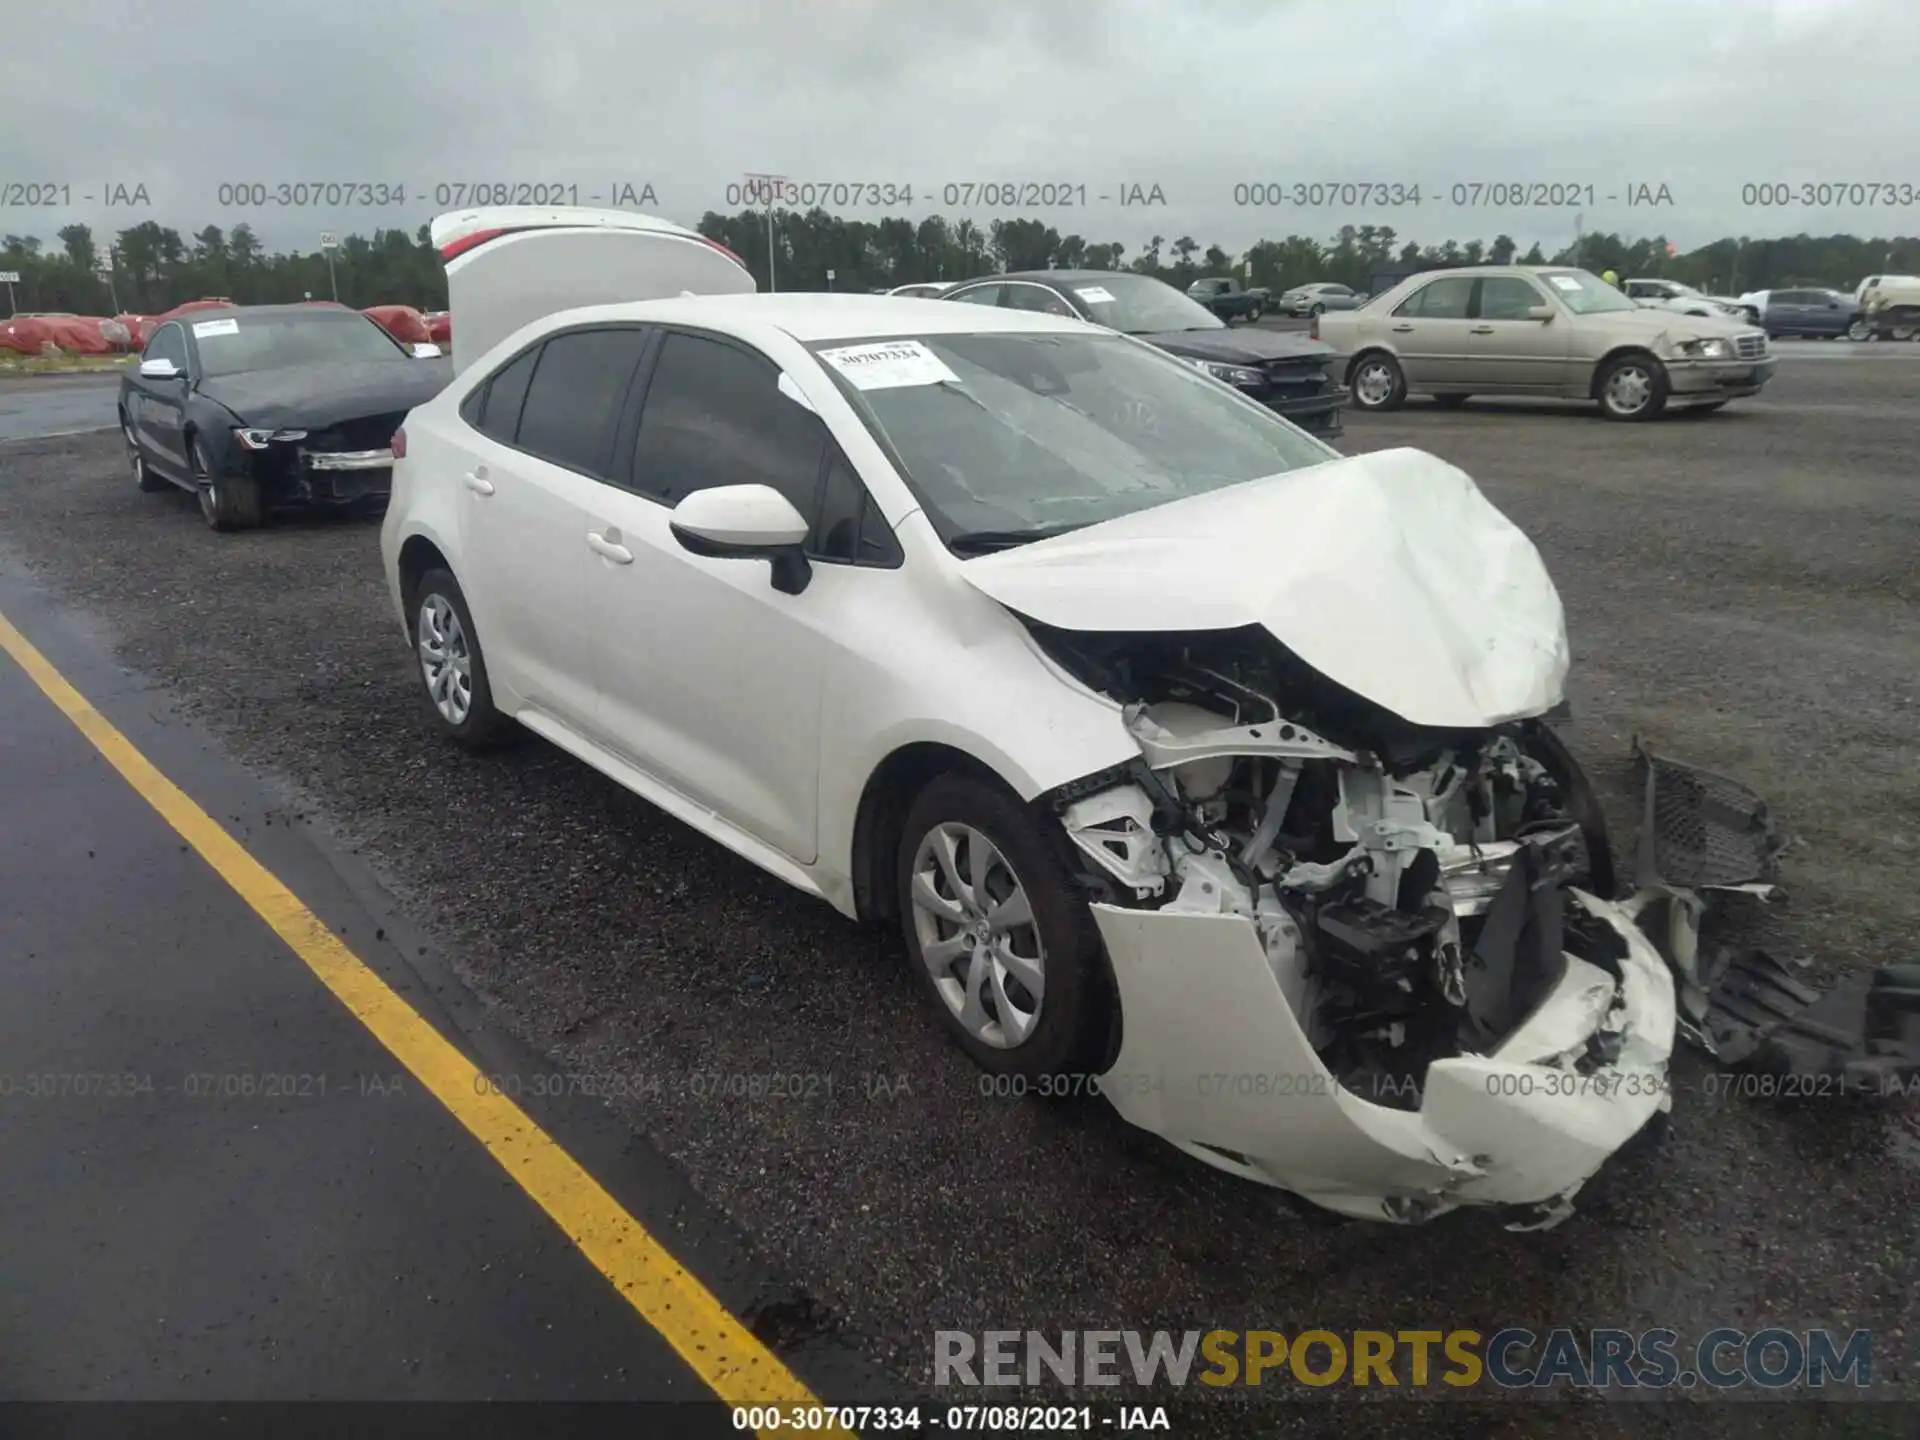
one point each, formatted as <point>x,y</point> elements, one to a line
<point>1511,1358</point>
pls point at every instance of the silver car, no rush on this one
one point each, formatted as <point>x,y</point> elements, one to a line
<point>1672,295</point>
<point>1540,330</point>
<point>1319,298</point>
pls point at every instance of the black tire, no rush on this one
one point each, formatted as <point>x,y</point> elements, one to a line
<point>482,727</point>
<point>1656,389</point>
<point>227,502</point>
<point>1450,402</point>
<point>1389,396</point>
<point>1075,1006</point>
<point>1253,315</point>
<point>143,475</point>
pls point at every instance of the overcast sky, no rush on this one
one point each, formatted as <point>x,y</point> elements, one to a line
<point>1194,96</point>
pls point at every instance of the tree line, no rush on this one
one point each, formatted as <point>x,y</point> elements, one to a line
<point>155,267</point>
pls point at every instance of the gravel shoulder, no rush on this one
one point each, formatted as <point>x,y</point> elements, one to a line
<point>1741,589</point>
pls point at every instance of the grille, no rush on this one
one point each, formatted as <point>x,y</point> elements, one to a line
<point>368,432</point>
<point>1753,346</point>
<point>1302,377</point>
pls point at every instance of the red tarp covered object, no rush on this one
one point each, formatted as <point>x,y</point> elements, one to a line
<point>189,306</point>
<point>74,334</point>
<point>439,327</point>
<point>24,337</point>
<point>403,322</point>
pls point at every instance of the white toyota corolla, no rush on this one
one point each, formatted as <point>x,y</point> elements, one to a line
<point>1183,751</point>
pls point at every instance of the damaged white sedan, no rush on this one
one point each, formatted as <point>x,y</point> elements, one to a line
<point>1184,751</point>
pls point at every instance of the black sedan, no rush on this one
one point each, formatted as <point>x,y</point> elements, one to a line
<point>1286,371</point>
<point>257,408</point>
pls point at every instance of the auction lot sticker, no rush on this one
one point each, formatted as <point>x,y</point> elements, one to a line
<point>889,365</point>
<point>203,328</point>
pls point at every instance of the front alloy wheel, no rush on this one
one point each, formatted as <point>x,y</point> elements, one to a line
<point>997,934</point>
<point>978,939</point>
<point>1634,387</point>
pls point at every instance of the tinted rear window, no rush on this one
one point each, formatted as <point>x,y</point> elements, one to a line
<point>500,408</point>
<point>574,401</point>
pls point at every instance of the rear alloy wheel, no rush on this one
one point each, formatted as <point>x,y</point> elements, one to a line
<point>994,933</point>
<point>1378,382</point>
<point>1632,387</point>
<point>1316,311</point>
<point>452,668</point>
<point>227,502</point>
<point>1858,330</point>
<point>1254,314</point>
<point>143,475</point>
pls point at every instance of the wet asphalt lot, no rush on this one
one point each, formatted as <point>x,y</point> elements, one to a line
<point>1740,589</point>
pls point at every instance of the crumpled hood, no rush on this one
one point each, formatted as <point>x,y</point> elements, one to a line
<point>1389,573</point>
<point>308,397</point>
<point>1242,344</point>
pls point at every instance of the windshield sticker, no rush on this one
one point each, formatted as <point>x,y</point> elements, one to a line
<point>889,365</point>
<point>1095,295</point>
<point>1563,282</point>
<point>203,328</point>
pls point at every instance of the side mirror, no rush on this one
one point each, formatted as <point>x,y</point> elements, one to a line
<point>746,522</point>
<point>160,370</point>
<point>423,351</point>
<point>1539,312</point>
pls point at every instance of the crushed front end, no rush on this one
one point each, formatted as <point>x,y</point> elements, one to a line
<point>1377,964</point>
<point>347,465</point>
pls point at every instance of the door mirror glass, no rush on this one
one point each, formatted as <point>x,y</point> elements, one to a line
<point>160,370</point>
<point>746,522</point>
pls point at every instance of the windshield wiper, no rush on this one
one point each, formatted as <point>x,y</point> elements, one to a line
<point>981,542</point>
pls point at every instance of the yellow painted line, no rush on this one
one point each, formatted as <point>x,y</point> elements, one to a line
<point>722,1351</point>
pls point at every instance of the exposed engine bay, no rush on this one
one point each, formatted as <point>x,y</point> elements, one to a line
<point>1407,884</point>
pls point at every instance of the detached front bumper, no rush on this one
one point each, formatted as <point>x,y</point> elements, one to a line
<point>292,475</point>
<point>1214,1060</point>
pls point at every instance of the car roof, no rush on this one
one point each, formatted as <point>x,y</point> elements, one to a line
<point>811,316</point>
<point>1061,277</point>
<point>269,312</point>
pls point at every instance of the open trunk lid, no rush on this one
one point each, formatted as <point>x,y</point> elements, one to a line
<point>509,265</point>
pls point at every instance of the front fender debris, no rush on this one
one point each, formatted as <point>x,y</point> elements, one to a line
<point>1704,837</point>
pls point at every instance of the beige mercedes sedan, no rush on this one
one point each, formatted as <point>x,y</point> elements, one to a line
<point>1540,330</point>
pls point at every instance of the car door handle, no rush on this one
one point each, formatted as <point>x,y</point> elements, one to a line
<point>1401,329</point>
<point>609,550</point>
<point>1481,330</point>
<point>478,483</point>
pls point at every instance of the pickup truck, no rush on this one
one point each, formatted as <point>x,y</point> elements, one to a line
<point>1227,299</point>
<point>1890,306</point>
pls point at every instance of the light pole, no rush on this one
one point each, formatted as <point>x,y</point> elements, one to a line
<point>329,242</point>
<point>113,290</point>
<point>773,185</point>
